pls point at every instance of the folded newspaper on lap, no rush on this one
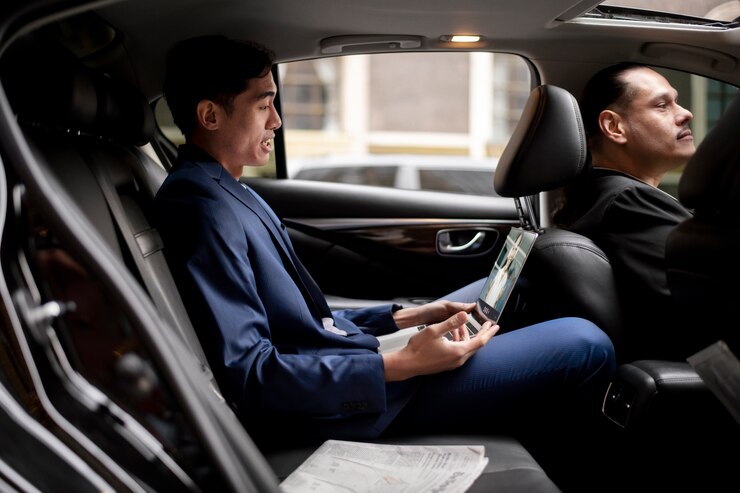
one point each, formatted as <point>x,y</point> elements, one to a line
<point>354,467</point>
<point>494,295</point>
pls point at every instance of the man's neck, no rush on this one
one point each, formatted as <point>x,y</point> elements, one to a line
<point>214,150</point>
<point>643,173</point>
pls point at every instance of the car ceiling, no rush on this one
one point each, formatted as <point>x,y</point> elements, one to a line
<point>564,53</point>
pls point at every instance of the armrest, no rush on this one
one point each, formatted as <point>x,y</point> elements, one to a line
<point>657,393</point>
<point>673,432</point>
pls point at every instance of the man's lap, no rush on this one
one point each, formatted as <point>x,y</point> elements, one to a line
<point>515,369</point>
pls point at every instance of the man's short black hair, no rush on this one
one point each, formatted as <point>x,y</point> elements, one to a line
<point>211,67</point>
<point>605,88</point>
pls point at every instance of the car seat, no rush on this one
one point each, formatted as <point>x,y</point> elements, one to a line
<point>703,265</point>
<point>566,274</point>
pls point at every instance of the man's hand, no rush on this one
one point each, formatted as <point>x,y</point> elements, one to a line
<point>429,313</point>
<point>430,352</point>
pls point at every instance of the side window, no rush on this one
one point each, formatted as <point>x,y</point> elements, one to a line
<point>459,181</point>
<point>706,99</point>
<point>441,119</point>
<point>378,176</point>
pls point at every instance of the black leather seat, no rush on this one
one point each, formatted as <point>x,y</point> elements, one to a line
<point>703,253</point>
<point>566,274</point>
<point>702,261</point>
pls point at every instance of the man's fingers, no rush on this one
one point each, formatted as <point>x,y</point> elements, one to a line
<point>468,307</point>
<point>487,331</point>
<point>451,323</point>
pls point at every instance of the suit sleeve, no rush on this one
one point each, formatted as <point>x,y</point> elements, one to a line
<point>375,320</point>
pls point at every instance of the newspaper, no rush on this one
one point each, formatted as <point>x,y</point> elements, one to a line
<point>355,467</point>
<point>397,340</point>
<point>720,370</point>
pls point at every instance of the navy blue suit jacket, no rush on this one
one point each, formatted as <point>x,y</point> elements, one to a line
<point>258,313</point>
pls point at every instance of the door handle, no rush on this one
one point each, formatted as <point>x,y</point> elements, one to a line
<point>445,244</point>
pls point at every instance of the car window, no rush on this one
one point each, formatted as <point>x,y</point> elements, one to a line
<point>444,118</point>
<point>380,176</point>
<point>367,119</point>
<point>706,99</point>
<point>453,180</point>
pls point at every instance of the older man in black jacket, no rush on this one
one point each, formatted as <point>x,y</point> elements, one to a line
<point>637,131</point>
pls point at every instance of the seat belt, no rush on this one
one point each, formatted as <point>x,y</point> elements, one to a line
<point>141,245</point>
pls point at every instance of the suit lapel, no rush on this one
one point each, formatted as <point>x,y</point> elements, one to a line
<point>281,240</point>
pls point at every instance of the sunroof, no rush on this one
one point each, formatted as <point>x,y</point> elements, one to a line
<point>720,13</point>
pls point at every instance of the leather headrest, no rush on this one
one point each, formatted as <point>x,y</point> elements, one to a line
<point>51,88</point>
<point>548,147</point>
<point>711,180</point>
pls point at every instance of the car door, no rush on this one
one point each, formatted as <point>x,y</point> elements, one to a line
<point>366,243</point>
<point>380,244</point>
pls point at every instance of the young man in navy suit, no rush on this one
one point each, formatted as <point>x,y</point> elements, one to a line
<point>282,357</point>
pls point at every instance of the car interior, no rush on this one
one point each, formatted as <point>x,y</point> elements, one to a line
<point>104,381</point>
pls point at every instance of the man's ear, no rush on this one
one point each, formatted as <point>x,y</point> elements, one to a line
<point>207,114</point>
<point>612,126</point>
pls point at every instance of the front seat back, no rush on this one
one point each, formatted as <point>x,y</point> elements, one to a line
<point>566,274</point>
<point>703,253</point>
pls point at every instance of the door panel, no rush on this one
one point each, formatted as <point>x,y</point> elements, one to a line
<point>369,243</point>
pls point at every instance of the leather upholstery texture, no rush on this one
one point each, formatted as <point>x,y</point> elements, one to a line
<point>566,274</point>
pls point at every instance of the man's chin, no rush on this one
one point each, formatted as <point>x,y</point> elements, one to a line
<point>685,151</point>
<point>687,146</point>
<point>682,161</point>
<point>258,163</point>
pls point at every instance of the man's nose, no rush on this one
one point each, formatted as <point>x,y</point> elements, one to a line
<point>684,115</point>
<point>275,121</point>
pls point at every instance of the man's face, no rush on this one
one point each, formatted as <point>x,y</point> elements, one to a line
<point>656,126</point>
<point>248,130</point>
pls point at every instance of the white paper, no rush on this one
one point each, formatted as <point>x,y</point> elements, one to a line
<point>720,370</point>
<point>396,341</point>
<point>355,467</point>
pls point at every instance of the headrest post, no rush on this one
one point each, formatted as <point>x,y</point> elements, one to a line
<point>527,220</point>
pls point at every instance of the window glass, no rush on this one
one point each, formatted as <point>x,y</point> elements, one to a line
<point>458,181</point>
<point>379,176</point>
<point>423,120</point>
<point>706,99</point>
<point>440,119</point>
<point>722,10</point>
